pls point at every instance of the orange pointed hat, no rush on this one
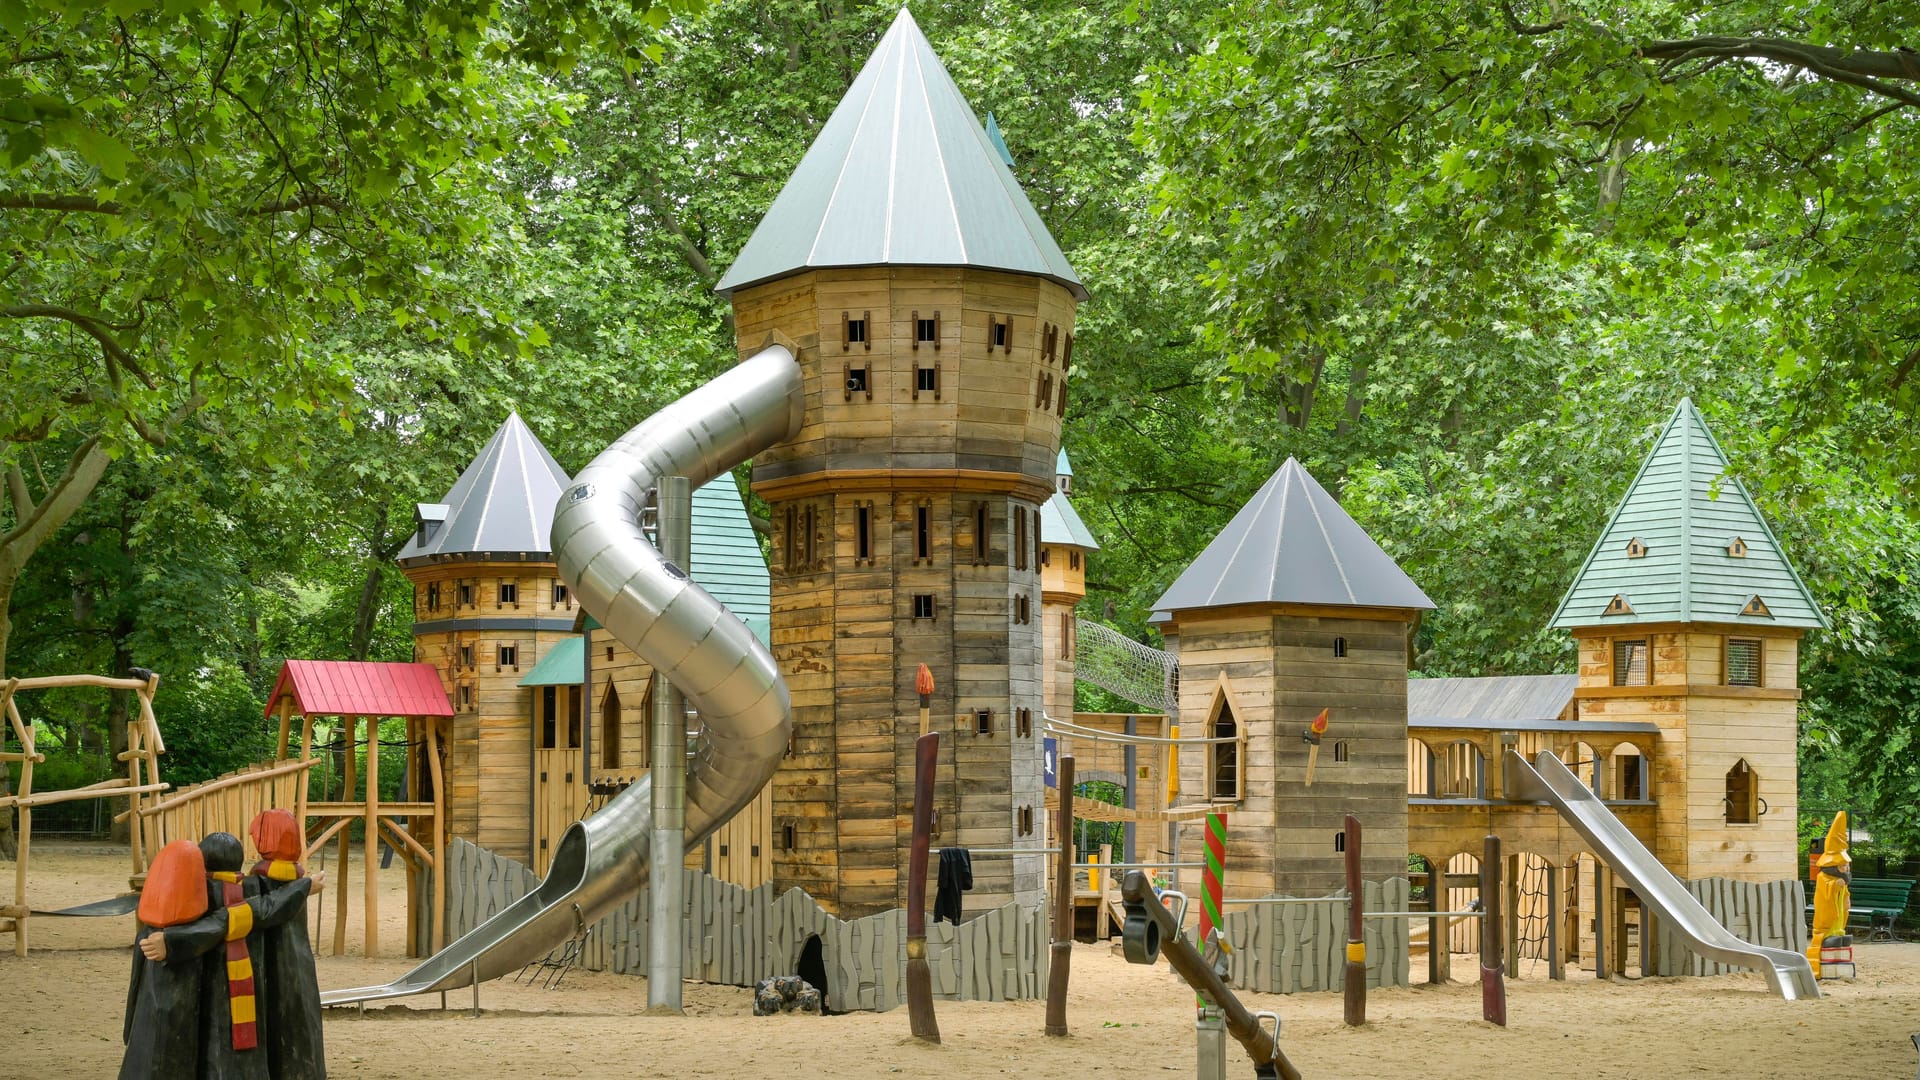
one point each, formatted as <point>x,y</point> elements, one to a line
<point>1835,853</point>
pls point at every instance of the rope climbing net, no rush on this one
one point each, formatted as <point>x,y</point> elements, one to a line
<point>1116,663</point>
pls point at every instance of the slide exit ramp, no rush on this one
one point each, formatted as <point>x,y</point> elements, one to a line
<point>1547,779</point>
<point>653,608</point>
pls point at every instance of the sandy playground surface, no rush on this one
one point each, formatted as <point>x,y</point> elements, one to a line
<point>63,1007</point>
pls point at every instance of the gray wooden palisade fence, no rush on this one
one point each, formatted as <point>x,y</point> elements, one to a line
<point>738,936</point>
<point>1286,948</point>
<point>1761,913</point>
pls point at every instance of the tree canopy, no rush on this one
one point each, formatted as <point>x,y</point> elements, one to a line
<point>271,272</point>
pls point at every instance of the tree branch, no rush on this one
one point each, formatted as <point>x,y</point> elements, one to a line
<point>116,354</point>
<point>82,475</point>
<point>1867,69</point>
<point>17,488</point>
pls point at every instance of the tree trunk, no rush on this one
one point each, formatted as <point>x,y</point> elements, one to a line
<point>120,703</point>
<point>9,576</point>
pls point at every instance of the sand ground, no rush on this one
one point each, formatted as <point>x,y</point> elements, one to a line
<point>64,1002</point>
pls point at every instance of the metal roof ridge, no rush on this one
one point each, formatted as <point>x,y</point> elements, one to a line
<point>1333,552</point>
<point>933,129</point>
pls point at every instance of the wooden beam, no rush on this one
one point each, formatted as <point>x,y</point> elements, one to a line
<point>371,836</point>
<point>321,840</point>
<point>439,835</point>
<point>346,791</point>
<point>201,790</point>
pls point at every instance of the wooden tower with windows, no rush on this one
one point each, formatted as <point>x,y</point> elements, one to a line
<point>1290,610</point>
<point>1065,544</point>
<point>488,604</point>
<point>933,316</point>
<point>1688,614</point>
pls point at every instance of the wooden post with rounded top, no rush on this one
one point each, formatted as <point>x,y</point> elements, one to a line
<point>1356,973</point>
<point>1062,904</point>
<point>1493,983</point>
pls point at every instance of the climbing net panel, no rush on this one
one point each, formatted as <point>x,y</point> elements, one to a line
<point>1116,663</point>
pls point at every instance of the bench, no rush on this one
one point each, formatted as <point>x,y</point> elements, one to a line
<point>1878,902</point>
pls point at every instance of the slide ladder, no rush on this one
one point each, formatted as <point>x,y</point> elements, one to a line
<point>1547,779</point>
<point>656,610</point>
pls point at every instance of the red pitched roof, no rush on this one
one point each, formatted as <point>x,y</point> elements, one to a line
<point>356,688</point>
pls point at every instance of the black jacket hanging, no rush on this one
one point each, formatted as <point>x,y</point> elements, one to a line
<point>956,877</point>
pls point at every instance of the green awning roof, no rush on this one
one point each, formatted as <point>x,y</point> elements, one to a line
<point>564,665</point>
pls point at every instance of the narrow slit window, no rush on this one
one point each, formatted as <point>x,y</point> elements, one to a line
<point>560,594</point>
<point>863,533</point>
<point>1019,538</point>
<point>1224,757</point>
<point>923,605</point>
<point>1066,354</point>
<point>786,836</point>
<point>859,381</point>
<point>509,593</point>
<point>981,517</point>
<point>1022,609</point>
<point>806,525</point>
<point>466,594</point>
<point>790,540</point>
<point>1043,395</point>
<point>854,331</point>
<point>983,721</point>
<point>1340,751</point>
<point>433,597</point>
<point>1743,661</point>
<point>466,697</point>
<point>1067,634</point>
<point>1631,665</point>
<point>1340,646</point>
<point>1060,408</point>
<point>1046,556</point>
<point>1001,332</point>
<point>509,656</point>
<point>926,380</point>
<point>926,331</point>
<point>923,532</point>
<point>466,656</point>
<point>1073,560</point>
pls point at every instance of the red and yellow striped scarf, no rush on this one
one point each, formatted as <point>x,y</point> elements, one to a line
<point>239,963</point>
<point>279,870</point>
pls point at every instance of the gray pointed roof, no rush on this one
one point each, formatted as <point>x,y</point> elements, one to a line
<point>1293,544</point>
<point>501,505</point>
<point>901,175</point>
<point>1061,524</point>
<point>1686,512</point>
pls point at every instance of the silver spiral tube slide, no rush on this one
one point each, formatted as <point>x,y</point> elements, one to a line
<point>652,607</point>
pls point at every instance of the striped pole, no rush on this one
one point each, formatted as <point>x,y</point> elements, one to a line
<point>1211,878</point>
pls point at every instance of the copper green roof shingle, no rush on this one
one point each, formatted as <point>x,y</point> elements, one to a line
<point>727,561</point>
<point>1665,553</point>
<point>564,665</point>
<point>902,174</point>
<point>1059,522</point>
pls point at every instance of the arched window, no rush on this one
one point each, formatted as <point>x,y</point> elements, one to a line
<point>610,728</point>
<point>1743,803</point>
<point>1223,758</point>
<point>1630,774</point>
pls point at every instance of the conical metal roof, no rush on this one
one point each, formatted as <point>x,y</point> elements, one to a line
<point>501,505</point>
<point>1293,544</point>
<point>901,175</point>
<point>1687,544</point>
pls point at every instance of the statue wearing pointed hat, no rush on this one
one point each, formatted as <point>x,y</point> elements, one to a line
<point>1832,892</point>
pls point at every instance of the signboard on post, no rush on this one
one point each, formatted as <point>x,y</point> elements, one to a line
<point>1050,761</point>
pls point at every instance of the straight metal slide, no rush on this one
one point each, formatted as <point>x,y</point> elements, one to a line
<point>652,607</point>
<point>1679,912</point>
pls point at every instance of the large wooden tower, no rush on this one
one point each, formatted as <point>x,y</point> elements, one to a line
<point>488,604</point>
<point>1293,609</point>
<point>1688,614</point>
<point>933,317</point>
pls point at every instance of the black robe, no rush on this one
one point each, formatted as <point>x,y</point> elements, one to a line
<point>956,877</point>
<point>218,1059</point>
<point>289,994</point>
<point>162,1027</point>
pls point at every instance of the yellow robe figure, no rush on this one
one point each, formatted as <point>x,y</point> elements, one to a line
<point>1833,894</point>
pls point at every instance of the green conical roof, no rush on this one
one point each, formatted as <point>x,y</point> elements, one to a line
<point>902,174</point>
<point>1687,544</point>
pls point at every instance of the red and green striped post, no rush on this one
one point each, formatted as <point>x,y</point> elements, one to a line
<point>1213,875</point>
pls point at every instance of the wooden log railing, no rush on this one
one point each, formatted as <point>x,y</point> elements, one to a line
<point>225,803</point>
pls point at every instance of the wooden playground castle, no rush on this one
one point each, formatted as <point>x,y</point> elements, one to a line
<point>922,515</point>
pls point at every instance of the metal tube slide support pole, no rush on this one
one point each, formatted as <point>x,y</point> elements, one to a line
<point>1356,970</point>
<point>1151,929</point>
<point>1493,980</point>
<point>1062,904</point>
<point>674,503</point>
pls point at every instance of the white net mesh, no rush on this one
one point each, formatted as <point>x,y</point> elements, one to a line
<point>1114,662</point>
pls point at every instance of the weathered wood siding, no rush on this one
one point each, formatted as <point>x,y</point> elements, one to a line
<point>1760,913</point>
<point>1290,948</point>
<point>737,936</point>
